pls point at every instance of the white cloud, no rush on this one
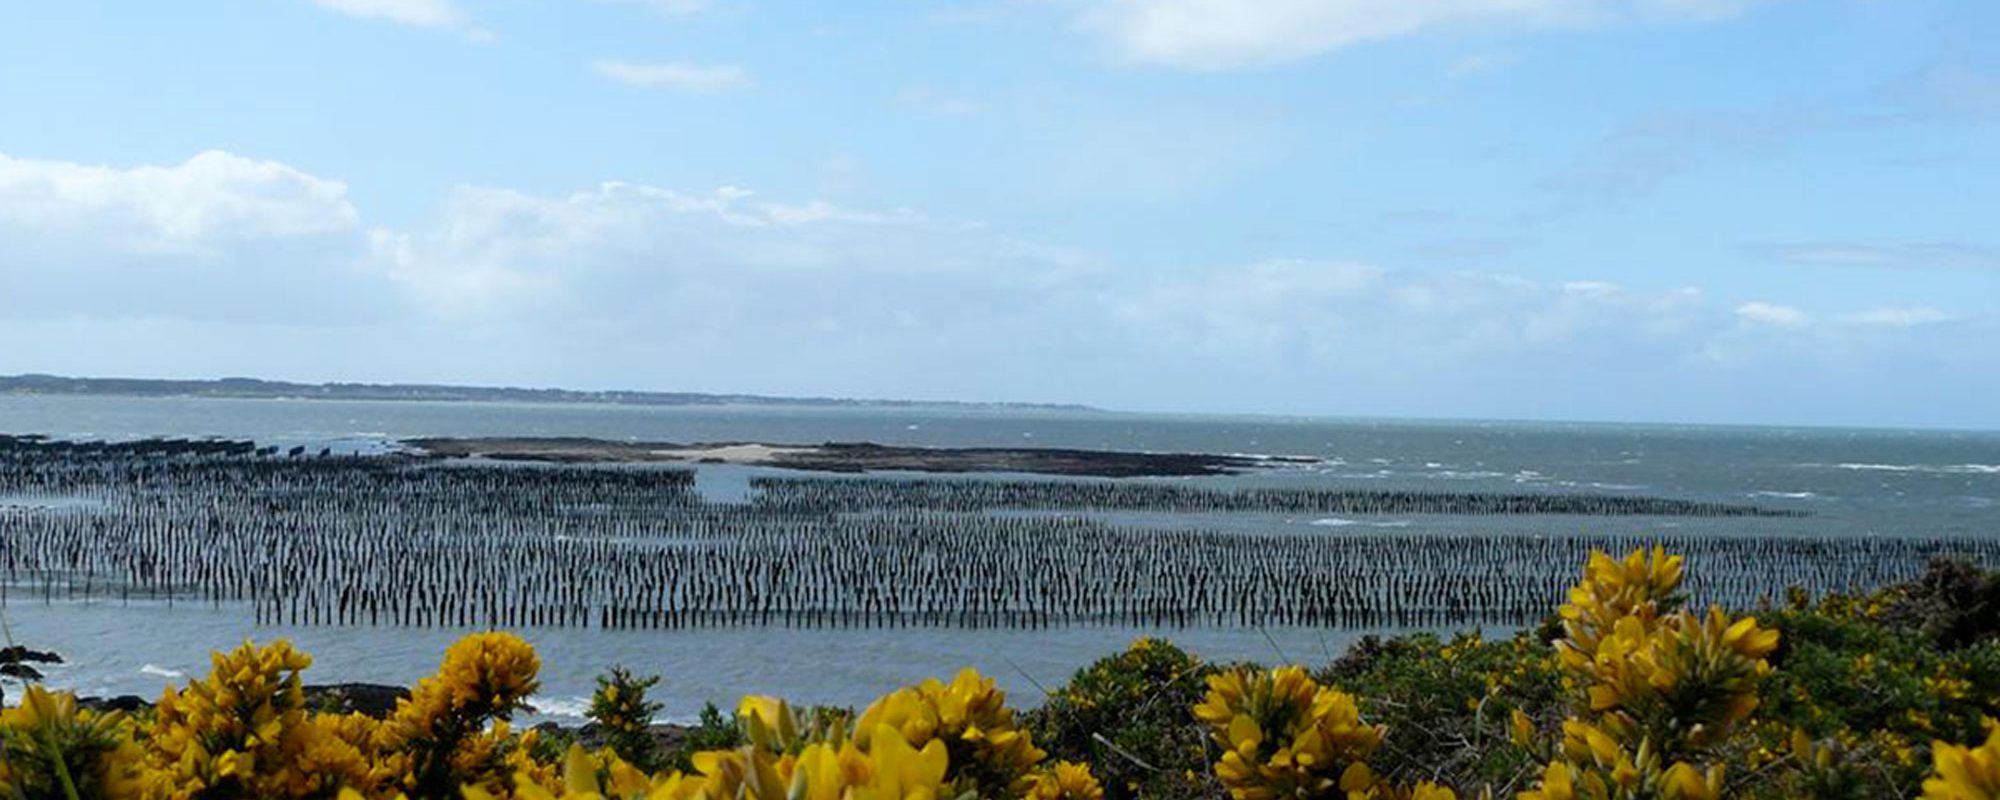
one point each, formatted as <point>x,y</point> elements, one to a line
<point>935,103</point>
<point>212,197</point>
<point>228,265</point>
<point>439,14</point>
<point>855,279</point>
<point>1907,317</point>
<point>218,236</point>
<point>1893,255</point>
<point>678,8</point>
<point>1319,315</point>
<point>1229,34</point>
<point>685,78</point>
<point>1764,313</point>
<point>498,250</point>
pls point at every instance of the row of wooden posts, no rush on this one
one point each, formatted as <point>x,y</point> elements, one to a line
<point>972,494</point>
<point>392,541</point>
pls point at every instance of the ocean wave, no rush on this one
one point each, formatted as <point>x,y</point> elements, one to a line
<point>1284,460</point>
<point>1339,522</point>
<point>155,669</point>
<point>579,708</point>
<point>1466,475</point>
<point>1791,495</point>
<point>1940,469</point>
<point>570,707</point>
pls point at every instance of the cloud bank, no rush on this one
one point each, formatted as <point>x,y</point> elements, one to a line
<point>229,265</point>
<point>684,78</point>
<point>435,14</point>
<point>1225,34</point>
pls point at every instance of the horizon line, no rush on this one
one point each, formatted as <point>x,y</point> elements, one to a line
<point>8,387</point>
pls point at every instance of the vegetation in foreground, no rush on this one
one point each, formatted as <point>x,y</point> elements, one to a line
<point>1625,693</point>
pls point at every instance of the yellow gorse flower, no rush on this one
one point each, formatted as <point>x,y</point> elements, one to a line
<point>1641,587</point>
<point>244,730</point>
<point>1654,681</point>
<point>970,715</point>
<point>1284,735</point>
<point>1658,692</point>
<point>1594,765</point>
<point>769,722</point>
<point>1644,664</point>
<point>1066,781</point>
<point>48,744</point>
<point>1965,773</point>
<point>434,737</point>
<point>901,748</point>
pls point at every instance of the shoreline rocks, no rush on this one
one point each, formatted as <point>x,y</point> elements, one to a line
<point>369,699</point>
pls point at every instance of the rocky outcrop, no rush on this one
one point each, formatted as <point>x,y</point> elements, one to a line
<point>370,699</point>
<point>856,457</point>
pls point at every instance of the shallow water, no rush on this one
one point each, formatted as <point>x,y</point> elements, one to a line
<point>1855,483</point>
<point>111,649</point>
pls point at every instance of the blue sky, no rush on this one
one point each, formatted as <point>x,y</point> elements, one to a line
<point>1773,211</point>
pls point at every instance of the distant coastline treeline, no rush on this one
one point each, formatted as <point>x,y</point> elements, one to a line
<point>258,388</point>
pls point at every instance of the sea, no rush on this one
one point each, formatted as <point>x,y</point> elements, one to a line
<point>1856,483</point>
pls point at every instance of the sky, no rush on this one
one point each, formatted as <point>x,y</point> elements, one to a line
<point>1713,211</point>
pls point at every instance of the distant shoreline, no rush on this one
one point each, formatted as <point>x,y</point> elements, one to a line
<point>851,457</point>
<point>254,388</point>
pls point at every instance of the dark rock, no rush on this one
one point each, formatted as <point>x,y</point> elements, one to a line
<point>17,654</point>
<point>666,738</point>
<point>20,671</point>
<point>128,703</point>
<point>551,729</point>
<point>370,699</point>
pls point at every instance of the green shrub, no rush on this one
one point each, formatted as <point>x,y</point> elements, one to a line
<point>713,732</point>
<point>1448,705</point>
<point>620,707</point>
<point>1129,717</point>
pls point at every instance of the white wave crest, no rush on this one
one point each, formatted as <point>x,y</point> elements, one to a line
<point>1338,522</point>
<point>1941,469</point>
<point>571,707</point>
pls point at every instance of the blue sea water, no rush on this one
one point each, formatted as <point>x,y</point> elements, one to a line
<point>1856,483</point>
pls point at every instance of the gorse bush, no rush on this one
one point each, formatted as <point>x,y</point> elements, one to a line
<point>50,748</point>
<point>1450,706</point>
<point>712,732</point>
<point>1127,715</point>
<point>620,708</point>
<point>1630,694</point>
